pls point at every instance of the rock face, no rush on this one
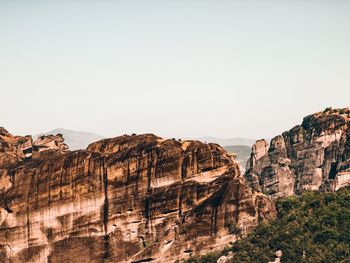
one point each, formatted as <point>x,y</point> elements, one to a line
<point>311,156</point>
<point>226,259</point>
<point>128,199</point>
<point>14,149</point>
<point>50,142</point>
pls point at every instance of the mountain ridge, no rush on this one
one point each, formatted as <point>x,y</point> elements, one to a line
<point>227,141</point>
<point>131,198</point>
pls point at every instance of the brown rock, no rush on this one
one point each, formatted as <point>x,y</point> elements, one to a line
<point>311,156</point>
<point>50,142</point>
<point>17,148</point>
<point>130,198</point>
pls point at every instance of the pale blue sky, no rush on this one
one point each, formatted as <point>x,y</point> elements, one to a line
<point>174,68</point>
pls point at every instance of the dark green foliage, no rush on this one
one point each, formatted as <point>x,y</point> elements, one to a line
<point>314,227</point>
<point>209,258</point>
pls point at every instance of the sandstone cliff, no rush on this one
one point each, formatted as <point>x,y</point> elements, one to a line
<point>311,156</point>
<point>127,199</point>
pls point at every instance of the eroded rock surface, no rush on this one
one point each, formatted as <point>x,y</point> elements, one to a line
<point>50,142</point>
<point>311,156</point>
<point>15,149</point>
<point>127,199</point>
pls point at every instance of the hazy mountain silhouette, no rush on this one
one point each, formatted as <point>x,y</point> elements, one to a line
<point>228,141</point>
<point>75,139</point>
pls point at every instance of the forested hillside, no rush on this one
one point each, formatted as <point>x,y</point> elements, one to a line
<point>313,227</point>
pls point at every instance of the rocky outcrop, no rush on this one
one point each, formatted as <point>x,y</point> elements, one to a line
<point>226,258</point>
<point>14,149</point>
<point>278,255</point>
<point>127,199</point>
<point>17,150</point>
<point>50,142</point>
<point>311,156</point>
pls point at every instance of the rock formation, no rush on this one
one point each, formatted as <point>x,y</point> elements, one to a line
<point>311,156</point>
<point>50,142</point>
<point>128,199</point>
<point>226,259</point>
<point>278,255</point>
<point>17,148</point>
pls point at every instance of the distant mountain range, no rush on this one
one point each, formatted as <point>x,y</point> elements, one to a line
<point>228,141</point>
<point>75,139</point>
<point>81,139</point>
<point>242,152</point>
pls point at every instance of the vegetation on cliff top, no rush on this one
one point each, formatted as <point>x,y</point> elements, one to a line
<point>313,227</point>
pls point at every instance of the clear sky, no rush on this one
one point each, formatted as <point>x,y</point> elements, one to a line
<point>173,68</point>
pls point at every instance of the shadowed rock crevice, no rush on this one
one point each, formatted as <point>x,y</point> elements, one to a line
<point>106,244</point>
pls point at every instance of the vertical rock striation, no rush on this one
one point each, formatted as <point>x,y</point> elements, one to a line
<point>127,199</point>
<point>311,156</point>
